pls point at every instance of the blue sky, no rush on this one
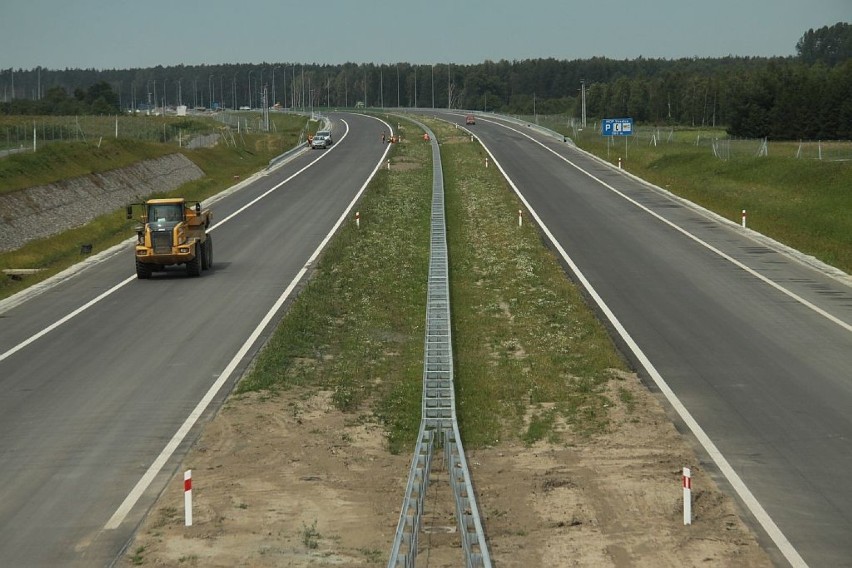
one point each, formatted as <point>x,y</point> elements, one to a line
<point>107,34</point>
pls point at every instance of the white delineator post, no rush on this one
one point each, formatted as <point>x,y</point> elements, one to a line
<point>744,218</point>
<point>619,163</point>
<point>388,164</point>
<point>486,162</point>
<point>187,497</point>
<point>520,217</point>
<point>687,496</point>
<point>358,219</point>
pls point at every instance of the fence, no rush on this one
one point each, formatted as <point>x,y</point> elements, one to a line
<point>17,133</point>
<point>715,141</point>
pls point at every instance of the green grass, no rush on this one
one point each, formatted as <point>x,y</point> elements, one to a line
<point>310,536</point>
<point>55,162</point>
<point>101,151</point>
<point>523,336</point>
<point>137,559</point>
<point>357,327</point>
<point>803,203</point>
<point>220,164</point>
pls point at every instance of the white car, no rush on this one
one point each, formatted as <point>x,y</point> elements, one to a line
<point>322,139</point>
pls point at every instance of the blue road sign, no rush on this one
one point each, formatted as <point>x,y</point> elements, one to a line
<point>617,127</point>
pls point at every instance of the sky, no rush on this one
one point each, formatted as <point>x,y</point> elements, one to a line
<point>120,34</point>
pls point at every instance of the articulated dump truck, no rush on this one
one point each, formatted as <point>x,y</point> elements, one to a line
<point>172,231</point>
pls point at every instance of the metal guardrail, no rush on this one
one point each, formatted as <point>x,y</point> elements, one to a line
<point>404,551</point>
<point>438,408</point>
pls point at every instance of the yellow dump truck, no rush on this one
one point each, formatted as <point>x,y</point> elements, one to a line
<point>172,231</point>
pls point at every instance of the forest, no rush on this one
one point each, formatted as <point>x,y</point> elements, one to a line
<point>806,96</point>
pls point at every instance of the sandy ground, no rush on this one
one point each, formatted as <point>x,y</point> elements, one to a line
<point>287,480</point>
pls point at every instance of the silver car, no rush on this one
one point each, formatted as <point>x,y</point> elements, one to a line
<point>322,139</point>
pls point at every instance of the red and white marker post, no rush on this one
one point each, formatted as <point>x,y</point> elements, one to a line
<point>744,218</point>
<point>187,497</point>
<point>687,496</point>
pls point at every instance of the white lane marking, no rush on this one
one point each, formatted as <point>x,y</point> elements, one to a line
<point>130,279</point>
<point>142,485</point>
<point>278,185</point>
<point>61,321</point>
<point>708,246</point>
<point>780,540</point>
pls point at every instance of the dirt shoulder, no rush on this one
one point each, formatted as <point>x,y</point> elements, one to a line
<point>288,480</point>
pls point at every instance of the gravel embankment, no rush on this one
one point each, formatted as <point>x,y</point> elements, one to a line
<point>46,210</point>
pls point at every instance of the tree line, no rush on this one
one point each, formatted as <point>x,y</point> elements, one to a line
<point>805,96</point>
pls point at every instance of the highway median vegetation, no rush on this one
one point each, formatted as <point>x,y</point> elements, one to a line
<point>531,360</point>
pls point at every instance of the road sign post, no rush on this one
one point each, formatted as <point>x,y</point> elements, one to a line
<point>617,127</point>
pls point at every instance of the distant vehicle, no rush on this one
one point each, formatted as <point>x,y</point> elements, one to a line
<point>322,139</point>
<point>245,108</point>
<point>469,119</point>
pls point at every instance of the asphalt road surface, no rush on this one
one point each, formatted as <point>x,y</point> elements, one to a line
<point>752,347</point>
<point>97,411</point>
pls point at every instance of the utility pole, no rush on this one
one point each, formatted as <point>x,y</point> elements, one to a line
<point>265,104</point>
<point>449,89</point>
<point>583,99</point>
<point>273,83</point>
<point>433,85</point>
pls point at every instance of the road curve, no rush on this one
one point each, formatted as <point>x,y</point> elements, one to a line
<point>88,405</point>
<point>751,346</point>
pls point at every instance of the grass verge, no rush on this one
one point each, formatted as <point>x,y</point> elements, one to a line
<point>532,362</point>
<point>803,203</point>
<point>220,164</point>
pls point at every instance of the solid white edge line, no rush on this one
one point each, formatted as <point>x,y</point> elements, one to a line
<point>64,319</point>
<point>129,279</point>
<point>154,469</point>
<point>708,246</point>
<point>784,546</point>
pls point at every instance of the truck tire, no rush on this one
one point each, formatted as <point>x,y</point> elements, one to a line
<point>143,271</point>
<point>202,249</point>
<point>193,267</point>
<point>207,254</point>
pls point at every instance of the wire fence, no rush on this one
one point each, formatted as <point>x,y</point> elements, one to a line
<point>193,130</point>
<point>716,141</point>
<point>29,133</point>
